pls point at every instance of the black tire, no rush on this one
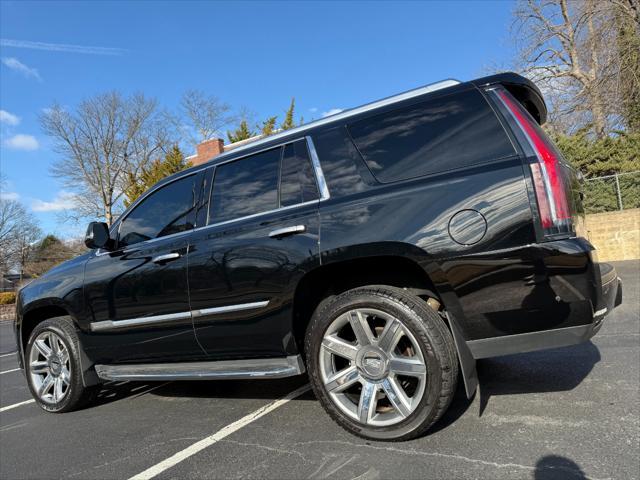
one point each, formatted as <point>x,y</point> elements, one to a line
<point>76,394</point>
<point>435,342</point>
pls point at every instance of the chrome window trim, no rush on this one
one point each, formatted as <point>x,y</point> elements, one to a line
<point>154,189</point>
<point>345,114</point>
<point>313,156</point>
<point>318,173</point>
<point>320,182</point>
<point>137,246</point>
<point>256,215</point>
<point>432,87</point>
<point>118,223</point>
<point>317,168</point>
<point>106,325</point>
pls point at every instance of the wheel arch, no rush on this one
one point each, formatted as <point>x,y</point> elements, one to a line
<point>387,267</point>
<point>37,314</point>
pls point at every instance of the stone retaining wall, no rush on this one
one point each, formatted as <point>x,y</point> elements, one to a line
<point>616,235</point>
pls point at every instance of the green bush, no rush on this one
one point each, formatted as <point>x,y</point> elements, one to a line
<point>7,298</point>
<point>597,158</point>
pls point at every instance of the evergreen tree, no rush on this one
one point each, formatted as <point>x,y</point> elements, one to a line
<point>243,132</point>
<point>269,126</point>
<point>173,162</point>
<point>47,253</point>
<point>600,157</point>
<point>288,119</point>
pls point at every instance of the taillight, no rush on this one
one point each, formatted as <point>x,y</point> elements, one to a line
<point>548,182</point>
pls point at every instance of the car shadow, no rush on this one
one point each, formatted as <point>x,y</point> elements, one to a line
<point>227,389</point>
<point>241,389</point>
<point>554,370</point>
<point>115,391</point>
<point>556,467</point>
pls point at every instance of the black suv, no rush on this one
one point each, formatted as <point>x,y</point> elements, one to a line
<point>383,250</point>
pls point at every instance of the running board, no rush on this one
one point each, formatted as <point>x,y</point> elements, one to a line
<point>255,368</point>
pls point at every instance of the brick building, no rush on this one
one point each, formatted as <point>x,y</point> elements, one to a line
<point>209,149</point>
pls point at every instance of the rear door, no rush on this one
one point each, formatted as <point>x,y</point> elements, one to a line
<point>262,236</point>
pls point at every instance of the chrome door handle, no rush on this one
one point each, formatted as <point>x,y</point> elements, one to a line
<point>166,257</point>
<point>283,232</point>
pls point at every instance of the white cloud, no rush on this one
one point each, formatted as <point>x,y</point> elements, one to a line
<point>22,142</point>
<point>62,201</point>
<point>18,66</point>
<point>313,109</point>
<point>333,111</point>
<point>9,118</point>
<point>61,47</point>
<point>9,196</point>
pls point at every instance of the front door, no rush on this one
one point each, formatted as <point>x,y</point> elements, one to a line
<point>138,293</point>
<point>262,237</point>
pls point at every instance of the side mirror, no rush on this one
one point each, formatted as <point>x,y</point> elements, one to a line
<point>97,236</point>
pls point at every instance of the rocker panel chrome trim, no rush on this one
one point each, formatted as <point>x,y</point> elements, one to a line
<point>229,308</point>
<point>256,368</point>
<point>106,325</point>
<point>134,322</point>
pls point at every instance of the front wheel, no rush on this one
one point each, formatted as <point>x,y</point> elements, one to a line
<point>53,368</point>
<point>381,362</point>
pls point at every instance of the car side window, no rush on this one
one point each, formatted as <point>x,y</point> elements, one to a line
<point>245,187</point>
<point>436,135</point>
<point>297,180</point>
<point>168,210</point>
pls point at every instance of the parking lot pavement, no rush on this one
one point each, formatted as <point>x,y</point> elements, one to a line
<point>564,413</point>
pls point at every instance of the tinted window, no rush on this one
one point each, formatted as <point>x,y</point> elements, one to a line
<point>297,180</point>
<point>245,187</point>
<point>339,159</point>
<point>440,134</point>
<point>166,211</point>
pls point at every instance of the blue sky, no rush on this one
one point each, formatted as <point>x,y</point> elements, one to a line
<point>254,55</point>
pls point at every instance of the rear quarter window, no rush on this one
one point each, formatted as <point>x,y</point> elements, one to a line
<point>440,134</point>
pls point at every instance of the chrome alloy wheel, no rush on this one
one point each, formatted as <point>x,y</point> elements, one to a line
<point>372,367</point>
<point>50,367</point>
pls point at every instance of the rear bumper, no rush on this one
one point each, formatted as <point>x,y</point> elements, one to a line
<point>611,288</point>
<point>609,296</point>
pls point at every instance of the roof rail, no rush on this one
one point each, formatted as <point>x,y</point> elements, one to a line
<point>345,114</point>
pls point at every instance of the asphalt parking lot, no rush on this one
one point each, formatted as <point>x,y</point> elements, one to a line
<point>564,413</point>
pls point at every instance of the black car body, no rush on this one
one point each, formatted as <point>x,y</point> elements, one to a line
<point>451,192</point>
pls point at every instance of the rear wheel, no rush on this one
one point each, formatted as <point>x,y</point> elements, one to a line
<point>54,371</point>
<point>381,362</point>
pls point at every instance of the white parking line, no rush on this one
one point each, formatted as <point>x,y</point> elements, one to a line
<point>9,371</point>
<point>9,407</point>
<point>219,435</point>
<point>7,354</point>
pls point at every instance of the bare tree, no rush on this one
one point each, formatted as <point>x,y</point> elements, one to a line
<point>18,230</point>
<point>569,49</point>
<point>205,115</point>
<point>106,138</point>
<point>26,239</point>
